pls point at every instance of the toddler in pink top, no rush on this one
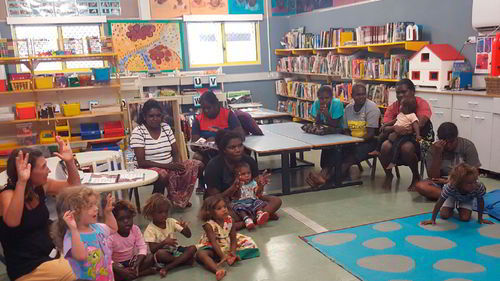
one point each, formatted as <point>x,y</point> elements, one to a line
<point>130,253</point>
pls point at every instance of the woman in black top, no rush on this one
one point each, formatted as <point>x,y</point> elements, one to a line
<point>24,226</point>
<point>220,177</point>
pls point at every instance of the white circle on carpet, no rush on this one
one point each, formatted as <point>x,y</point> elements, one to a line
<point>334,239</point>
<point>491,231</point>
<point>441,225</point>
<point>381,243</point>
<point>387,226</point>
<point>491,250</point>
<point>387,263</point>
<point>458,266</point>
<point>430,242</point>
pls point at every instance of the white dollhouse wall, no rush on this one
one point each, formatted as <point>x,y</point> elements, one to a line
<point>420,70</point>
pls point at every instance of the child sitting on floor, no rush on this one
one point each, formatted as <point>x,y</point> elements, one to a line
<point>246,202</point>
<point>159,234</point>
<point>459,192</point>
<point>130,253</point>
<point>220,243</point>
<point>406,119</point>
<point>83,241</point>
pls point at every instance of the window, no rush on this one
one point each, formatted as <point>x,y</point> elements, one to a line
<point>48,38</point>
<point>424,57</point>
<point>433,75</point>
<point>218,44</point>
<point>415,75</point>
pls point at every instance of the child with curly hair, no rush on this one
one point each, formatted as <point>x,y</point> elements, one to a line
<point>83,241</point>
<point>160,234</point>
<point>463,187</point>
<point>220,243</point>
<point>130,253</point>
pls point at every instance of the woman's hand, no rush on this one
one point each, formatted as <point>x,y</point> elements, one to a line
<point>177,167</point>
<point>65,152</point>
<point>109,204</point>
<point>23,168</point>
<point>438,147</point>
<point>69,218</point>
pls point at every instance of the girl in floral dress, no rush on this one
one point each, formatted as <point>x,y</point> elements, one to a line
<point>220,243</point>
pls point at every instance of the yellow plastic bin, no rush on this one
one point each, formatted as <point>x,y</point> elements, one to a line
<point>47,136</point>
<point>71,109</point>
<point>44,82</point>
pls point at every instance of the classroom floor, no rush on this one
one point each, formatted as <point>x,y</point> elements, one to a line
<point>283,255</point>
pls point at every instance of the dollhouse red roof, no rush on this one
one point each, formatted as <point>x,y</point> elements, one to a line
<point>445,52</point>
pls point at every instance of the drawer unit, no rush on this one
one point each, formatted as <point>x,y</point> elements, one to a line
<point>437,100</point>
<point>484,104</point>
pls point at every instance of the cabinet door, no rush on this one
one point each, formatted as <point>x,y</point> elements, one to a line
<point>495,145</point>
<point>439,116</point>
<point>463,120</point>
<point>482,125</point>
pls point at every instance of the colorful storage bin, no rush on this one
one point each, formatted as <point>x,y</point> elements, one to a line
<point>113,129</point>
<point>85,79</point>
<point>20,76</point>
<point>27,139</point>
<point>44,82</point>
<point>71,109</point>
<point>90,131</point>
<point>47,136</point>
<point>101,75</point>
<point>20,85</point>
<point>26,110</point>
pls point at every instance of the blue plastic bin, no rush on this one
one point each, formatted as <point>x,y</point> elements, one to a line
<point>90,131</point>
<point>101,74</point>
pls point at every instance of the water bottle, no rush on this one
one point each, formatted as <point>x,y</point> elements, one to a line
<point>129,160</point>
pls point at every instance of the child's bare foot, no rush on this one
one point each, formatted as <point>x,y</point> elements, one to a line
<point>262,217</point>
<point>220,274</point>
<point>249,224</point>
<point>163,272</point>
<point>390,166</point>
<point>413,183</point>
<point>374,153</point>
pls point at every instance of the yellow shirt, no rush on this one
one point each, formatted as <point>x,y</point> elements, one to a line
<point>156,235</point>
<point>357,128</point>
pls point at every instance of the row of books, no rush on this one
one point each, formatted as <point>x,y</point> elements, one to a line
<point>301,109</point>
<point>378,93</point>
<point>297,89</point>
<point>347,67</point>
<point>362,35</point>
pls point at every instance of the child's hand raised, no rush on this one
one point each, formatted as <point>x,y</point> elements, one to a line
<point>170,241</point>
<point>69,218</point>
<point>182,223</point>
<point>427,222</point>
<point>109,203</point>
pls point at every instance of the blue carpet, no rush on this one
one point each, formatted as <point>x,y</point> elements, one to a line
<point>399,250</point>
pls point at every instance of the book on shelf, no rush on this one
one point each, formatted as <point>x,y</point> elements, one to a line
<point>301,109</point>
<point>298,89</point>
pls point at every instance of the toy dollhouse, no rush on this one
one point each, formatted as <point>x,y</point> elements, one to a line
<point>432,66</point>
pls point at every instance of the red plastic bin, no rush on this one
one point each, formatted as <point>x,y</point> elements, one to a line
<point>20,76</point>
<point>113,129</point>
<point>26,113</point>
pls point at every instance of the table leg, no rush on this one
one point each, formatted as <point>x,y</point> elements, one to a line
<point>124,194</point>
<point>301,155</point>
<point>293,160</point>
<point>285,172</point>
<point>338,165</point>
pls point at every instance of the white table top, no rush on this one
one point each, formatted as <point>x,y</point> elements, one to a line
<point>150,176</point>
<point>293,130</point>
<point>270,142</point>
<point>88,157</point>
<point>263,113</point>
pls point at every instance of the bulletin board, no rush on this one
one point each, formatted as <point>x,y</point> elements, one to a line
<point>209,7</point>
<point>292,7</point>
<point>148,45</point>
<point>246,6</point>
<point>51,8</point>
<point>162,9</point>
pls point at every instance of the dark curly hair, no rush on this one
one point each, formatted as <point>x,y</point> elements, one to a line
<point>153,204</point>
<point>408,84</point>
<point>447,131</point>
<point>209,97</point>
<point>208,207</point>
<point>223,137</point>
<point>146,107</point>
<point>124,205</point>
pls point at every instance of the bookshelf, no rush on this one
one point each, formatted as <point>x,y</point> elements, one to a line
<point>382,48</point>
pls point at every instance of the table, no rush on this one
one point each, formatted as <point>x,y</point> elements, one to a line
<point>288,138</point>
<point>272,144</point>
<point>266,114</point>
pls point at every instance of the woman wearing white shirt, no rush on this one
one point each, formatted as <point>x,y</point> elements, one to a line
<point>155,148</point>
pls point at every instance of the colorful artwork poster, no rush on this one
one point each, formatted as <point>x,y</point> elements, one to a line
<point>164,9</point>
<point>283,7</point>
<point>209,7</point>
<point>304,6</point>
<point>246,6</point>
<point>483,55</point>
<point>147,46</point>
<point>338,3</point>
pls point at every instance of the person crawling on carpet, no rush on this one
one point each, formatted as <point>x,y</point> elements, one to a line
<point>463,187</point>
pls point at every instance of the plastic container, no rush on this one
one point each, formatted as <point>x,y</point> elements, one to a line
<point>101,75</point>
<point>44,82</point>
<point>74,82</point>
<point>24,129</point>
<point>113,129</point>
<point>3,85</point>
<point>63,130</point>
<point>26,110</point>
<point>90,131</point>
<point>47,136</point>
<point>71,109</point>
<point>20,85</point>
<point>8,143</point>
<point>105,146</point>
<point>19,76</point>
<point>27,140</point>
<point>61,81</point>
<point>85,79</point>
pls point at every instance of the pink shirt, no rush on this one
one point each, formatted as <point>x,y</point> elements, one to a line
<point>406,120</point>
<point>125,248</point>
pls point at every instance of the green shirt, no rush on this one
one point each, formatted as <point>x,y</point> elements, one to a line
<point>336,111</point>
